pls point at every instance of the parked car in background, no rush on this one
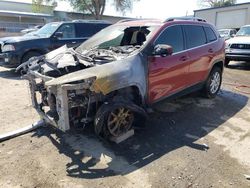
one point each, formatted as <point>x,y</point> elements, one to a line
<point>113,77</point>
<point>16,50</point>
<point>238,48</point>
<point>227,33</point>
<point>31,29</point>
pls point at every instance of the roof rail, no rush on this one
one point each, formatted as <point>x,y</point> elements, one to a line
<point>134,19</point>
<point>190,18</point>
<point>92,21</point>
<point>128,20</point>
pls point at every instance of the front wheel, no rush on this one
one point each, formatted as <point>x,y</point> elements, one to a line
<point>213,83</point>
<point>29,55</point>
<point>113,120</point>
<point>26,58</point>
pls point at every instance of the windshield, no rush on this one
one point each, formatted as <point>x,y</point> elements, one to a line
<point>118,35</point>
<point>243,31</point>
<point>47,30</point>
<point>224,32</point>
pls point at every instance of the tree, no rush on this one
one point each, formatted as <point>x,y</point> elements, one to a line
<point>216,3</point>
<point>39,6</point>
<point>97,7</point>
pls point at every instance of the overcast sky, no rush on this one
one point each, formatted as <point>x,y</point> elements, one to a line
<point>148,8</point>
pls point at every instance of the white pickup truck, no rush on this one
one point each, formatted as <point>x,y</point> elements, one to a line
<point>238,48</point>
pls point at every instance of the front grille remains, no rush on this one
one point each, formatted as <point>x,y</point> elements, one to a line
<point>240,46</point>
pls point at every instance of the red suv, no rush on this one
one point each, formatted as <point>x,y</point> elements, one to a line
<point>113,77</point>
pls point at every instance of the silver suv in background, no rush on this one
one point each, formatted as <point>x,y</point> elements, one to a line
<point>227,33</point>
<point>238,48</point>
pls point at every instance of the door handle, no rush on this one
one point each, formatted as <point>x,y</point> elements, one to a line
<point>210,50</point>
<point>183,58</point>
<point>74,42</point>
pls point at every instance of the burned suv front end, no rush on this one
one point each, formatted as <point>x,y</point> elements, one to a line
<point>102,82</point>
<point>61,105</point>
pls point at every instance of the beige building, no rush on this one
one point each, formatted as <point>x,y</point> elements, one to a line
<point>15,16</point>
<point>227,17</point>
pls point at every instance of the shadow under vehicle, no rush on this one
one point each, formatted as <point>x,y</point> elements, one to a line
<point>167,130</point>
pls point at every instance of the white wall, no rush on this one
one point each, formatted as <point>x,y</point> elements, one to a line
<point>226,17</point>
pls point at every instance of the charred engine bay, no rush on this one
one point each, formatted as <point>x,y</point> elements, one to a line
<point>66,60</point>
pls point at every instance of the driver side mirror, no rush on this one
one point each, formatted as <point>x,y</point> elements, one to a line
<point>58,35</point>
<point>232,35</point>
<point>163,50</point>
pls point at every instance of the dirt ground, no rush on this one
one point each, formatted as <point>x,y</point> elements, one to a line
<point>190,142</point>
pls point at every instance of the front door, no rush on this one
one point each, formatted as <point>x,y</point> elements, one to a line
<point>68,36</point>
<point>167,75</point>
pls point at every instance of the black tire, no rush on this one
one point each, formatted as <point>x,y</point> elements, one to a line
<point>213,83</point>
<point>103,113</point>
<point>227,61</point>
<point>29,55</point>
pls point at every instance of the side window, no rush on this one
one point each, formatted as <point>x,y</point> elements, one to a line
<point>88,29</point>
<point>84,29</point>
<point>210,34</point>
<point>68,31</point>
<point>172,36</point>
<point>195,36</point>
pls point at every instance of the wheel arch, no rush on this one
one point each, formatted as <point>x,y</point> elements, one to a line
<point>218,63</point>
<point>131,92</point>
<point>40,51</point>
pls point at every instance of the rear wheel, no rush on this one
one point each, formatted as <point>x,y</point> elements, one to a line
<point>213,83</point>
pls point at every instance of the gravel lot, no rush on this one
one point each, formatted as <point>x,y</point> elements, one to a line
<point>190,142</point>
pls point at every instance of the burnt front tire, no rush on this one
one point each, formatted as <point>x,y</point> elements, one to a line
<point>113,120</point>
<point>213,83</point>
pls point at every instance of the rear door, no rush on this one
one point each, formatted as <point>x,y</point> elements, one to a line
<point>86,30</point>
<point>200,52</point>
<point>167,75</point>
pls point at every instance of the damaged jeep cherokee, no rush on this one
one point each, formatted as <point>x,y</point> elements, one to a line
<point>112,78</point>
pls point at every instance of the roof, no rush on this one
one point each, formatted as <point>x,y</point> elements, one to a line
<point>27,14</point>
<point>222,7</point>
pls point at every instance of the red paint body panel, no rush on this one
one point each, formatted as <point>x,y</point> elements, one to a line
<point>167,75</point>
<point>171,74</point>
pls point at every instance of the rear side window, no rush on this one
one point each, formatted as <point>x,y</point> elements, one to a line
<point>172,36</point>
<point>88,29</point>
<point>195,36</point>
<point>210,34</point>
